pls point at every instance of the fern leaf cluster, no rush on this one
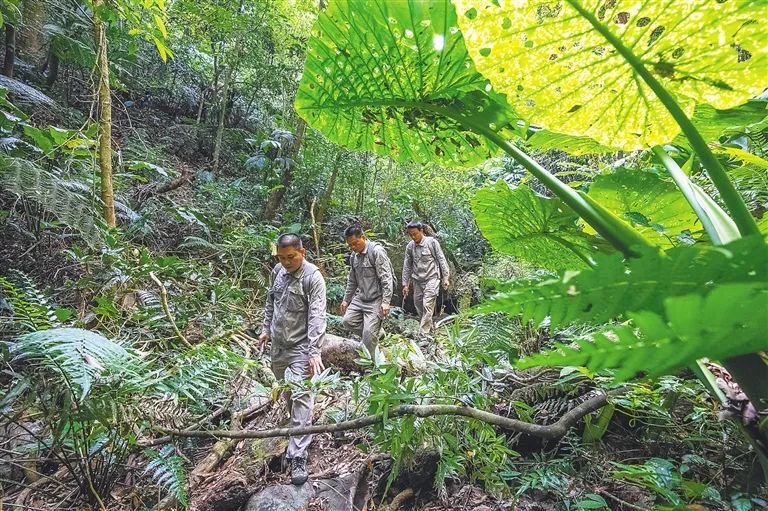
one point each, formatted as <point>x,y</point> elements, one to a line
<point>56,196</point>
<point>726,322</point>
<point>29,308</point>
<point>613,287</point>
<point>167,470</point>
<point>82,359</point>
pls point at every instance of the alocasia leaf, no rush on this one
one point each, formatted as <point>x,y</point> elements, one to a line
<point>559,72</point>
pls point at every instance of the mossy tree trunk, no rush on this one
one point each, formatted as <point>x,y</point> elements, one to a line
<point>105,116</point>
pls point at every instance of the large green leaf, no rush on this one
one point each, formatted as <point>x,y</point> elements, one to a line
<point>653,206</point>
<point>712,123</point>
<point>536,229</point>
<point>728,321</point>
<point>393,77</point>
<point>614,288</point>
<point>547,140</point>
<point>82,359</point>
<point>560,72</point>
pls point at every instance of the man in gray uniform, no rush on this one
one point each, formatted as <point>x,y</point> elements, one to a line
<point>369,287</point>
<point>425,267</point>
<point>294,320</point>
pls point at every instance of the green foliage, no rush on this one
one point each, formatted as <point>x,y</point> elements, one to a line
<point>29,308</point>
<point>653,206</point>
<point>726,322</point>
<point>558,54</point>
<point>167,470</point>
<point>394,79</point>
<point>614,287</point>
<point>540,230</point>
<point>25,178</point>
<point>81,359</point>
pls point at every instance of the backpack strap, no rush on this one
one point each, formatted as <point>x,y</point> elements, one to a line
<point>306,280</point>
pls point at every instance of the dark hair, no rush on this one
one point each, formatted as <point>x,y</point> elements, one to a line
<point>353,230</point>
<point>289,240</point>
<point>415,224</point>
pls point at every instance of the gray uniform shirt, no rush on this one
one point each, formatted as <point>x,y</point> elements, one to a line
<point>422,261</point>
<point>371,274</point>
<point>295,311</point>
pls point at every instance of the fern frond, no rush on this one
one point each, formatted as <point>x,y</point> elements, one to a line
<point>81,358</point>
<point>29,308</point>
<point>26,179</point>
<point>613,288</point>
<point>167,470</point>
<point>148,299</point>
<point>728,321</point>
<point>204,372</point>
<point>197,243</point>
<point>124,212</point>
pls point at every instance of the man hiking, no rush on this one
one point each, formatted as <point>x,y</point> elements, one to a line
<point>369,287</point>
<point>295,322</point>
<point>425,267</point>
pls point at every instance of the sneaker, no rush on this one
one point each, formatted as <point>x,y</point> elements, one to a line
<point>299,474</point>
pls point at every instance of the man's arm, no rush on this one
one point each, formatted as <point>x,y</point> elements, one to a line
<point>269,306</point>
<point>316,320</point>
<point>384,272</point>
<point>351,281</point>
<point>442,261</point>
<point>407,265</point>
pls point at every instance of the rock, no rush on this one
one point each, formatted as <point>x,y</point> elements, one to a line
<point>348,492</point>
<point>284,497</point>
<point>341,353</point>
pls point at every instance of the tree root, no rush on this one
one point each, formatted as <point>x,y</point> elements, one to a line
<point>400,499</point>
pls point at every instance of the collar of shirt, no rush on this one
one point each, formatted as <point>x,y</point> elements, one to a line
<point>298,272</point>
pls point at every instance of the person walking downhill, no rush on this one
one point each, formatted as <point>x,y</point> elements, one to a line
<point>369,287</point>
<point>295,322</point>
<point>425,267</point>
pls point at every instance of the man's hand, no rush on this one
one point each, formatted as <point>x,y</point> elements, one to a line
<point>263,338</point>
<point>315,365</point>
<point>405,291</point>
<point>445,284</point>
<point>344,306</point>
<point>384,310</point>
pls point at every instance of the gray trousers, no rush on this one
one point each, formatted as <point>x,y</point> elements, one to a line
<point>364,319</point>
<point>292,365</point>
<point>424,299</point>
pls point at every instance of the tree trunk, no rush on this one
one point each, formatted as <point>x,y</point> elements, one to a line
<point>326,200</point>
<point>105,117</point>
<point>33,12</point>
<point>10,50</point>
<point>222,118</point>
<point>277,195</point>
<point>202,103</point>
<point>51,68</point>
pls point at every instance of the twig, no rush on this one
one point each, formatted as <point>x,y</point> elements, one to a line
<point>167,309</point>
<point>552,431</point>
<point>620,501</point>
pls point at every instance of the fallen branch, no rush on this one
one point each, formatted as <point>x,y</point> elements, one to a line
<point>552,431</point>
<point>167,309</point>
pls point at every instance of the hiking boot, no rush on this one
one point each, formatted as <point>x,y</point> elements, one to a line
<point>299,474</point>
